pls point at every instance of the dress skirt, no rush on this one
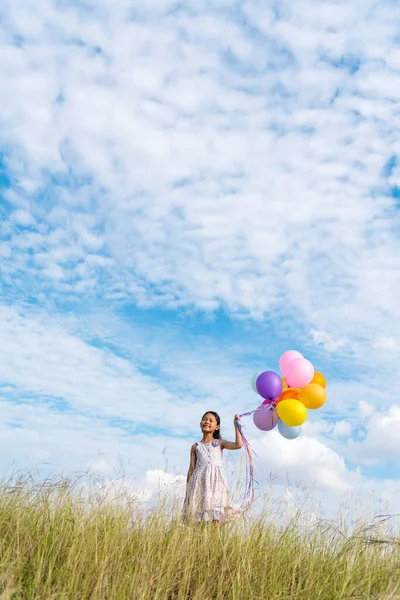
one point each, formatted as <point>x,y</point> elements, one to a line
<point>207,494</point>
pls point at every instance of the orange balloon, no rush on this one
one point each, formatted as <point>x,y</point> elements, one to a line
<point>289,394</point>
<point>319,378</point>
<point>313,395</point>
<point>284,384</point>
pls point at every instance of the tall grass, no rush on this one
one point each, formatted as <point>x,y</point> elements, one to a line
<point>59,540</point>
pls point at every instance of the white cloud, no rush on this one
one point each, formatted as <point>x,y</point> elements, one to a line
<point>152,109</point>
<point>342,429</point>
<point>366,408</point>
<point>322,338</point>
<point>153,486</point>
<point>386,343</point>
<point>103,467</point>
<point>381,443</point>
<point>47,356</point>
<point>65,441</point>
<point>306,459</point>
<point>23,217</point>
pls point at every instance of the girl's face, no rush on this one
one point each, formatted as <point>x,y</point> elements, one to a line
<point>209,424</point>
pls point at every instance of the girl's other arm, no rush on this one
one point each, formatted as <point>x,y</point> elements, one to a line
<point>238,443</point>
<point>192,465</point>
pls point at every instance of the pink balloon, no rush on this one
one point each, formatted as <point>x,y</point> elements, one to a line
<point>299,372</point>
<point>266,418</point>
<point>286,358</point>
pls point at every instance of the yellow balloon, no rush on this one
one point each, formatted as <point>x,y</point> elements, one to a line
<point>284,384</point>
<point>319,378</point>
<point>292,412</point>
<point>313,395</point>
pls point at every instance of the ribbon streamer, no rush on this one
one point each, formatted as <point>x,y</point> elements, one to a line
<point>248,496</point>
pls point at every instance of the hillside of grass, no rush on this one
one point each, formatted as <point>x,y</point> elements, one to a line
<point>59,540</point>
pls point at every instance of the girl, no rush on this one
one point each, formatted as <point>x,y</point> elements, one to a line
<point>207,493</point>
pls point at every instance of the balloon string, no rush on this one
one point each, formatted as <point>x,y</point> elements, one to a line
<point>248,496</point>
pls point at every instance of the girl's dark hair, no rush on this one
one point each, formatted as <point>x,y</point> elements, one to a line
<point>217,432</point>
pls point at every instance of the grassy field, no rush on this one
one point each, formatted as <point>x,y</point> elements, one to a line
<point>58,542</point>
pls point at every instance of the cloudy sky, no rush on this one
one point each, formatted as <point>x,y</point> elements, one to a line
<point>187,191</point>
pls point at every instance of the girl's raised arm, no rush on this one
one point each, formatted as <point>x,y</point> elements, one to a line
<point>192,465</point>
<point>238,443</point>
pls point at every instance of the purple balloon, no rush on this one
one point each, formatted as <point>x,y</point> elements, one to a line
<point>266,418</point>
<point>269,385</point>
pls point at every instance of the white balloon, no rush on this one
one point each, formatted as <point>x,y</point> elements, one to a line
<point>290,433</point>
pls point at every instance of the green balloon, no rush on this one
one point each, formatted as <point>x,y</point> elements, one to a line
<point>253,382</point>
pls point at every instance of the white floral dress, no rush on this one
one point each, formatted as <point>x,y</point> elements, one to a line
<point>207,494</point>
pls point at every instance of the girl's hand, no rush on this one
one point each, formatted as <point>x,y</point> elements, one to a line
<point>238,443</point>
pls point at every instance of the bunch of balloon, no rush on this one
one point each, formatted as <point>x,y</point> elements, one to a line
<point>286,398</point>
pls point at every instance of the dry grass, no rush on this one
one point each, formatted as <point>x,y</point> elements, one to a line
<point>60,543</point>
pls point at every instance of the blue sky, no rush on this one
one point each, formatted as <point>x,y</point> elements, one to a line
<point>187,192</point>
